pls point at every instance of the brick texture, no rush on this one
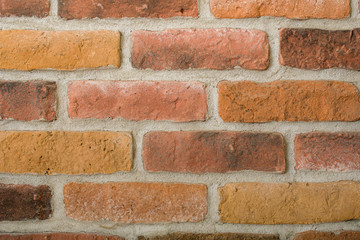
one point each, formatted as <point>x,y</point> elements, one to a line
<point>65,152</point>
<point>288,101</point>
<point>78,9</point>
<point>174,101</point>
<point>24,202</point>
<point>214,236</point>
<point>314,235</point>
<point>328,151</point>
<point>320,49</point>
<point>59,236</point>
<point>289,203</point>
<point>28,101</point>
<point>60,50</point>
<point>200,152</point>
<point>29,8</point>
<point>136,202</point>
<point>333,9</point>
<point>200,48</point>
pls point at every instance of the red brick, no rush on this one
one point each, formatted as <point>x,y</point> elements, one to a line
<point>200,48</point>
<point>136,202</point>
<point>59,236</point>
<point>333,9</point>
<point>200,152</point>
<point>24,202</point>
<point>29,8</point>
<point>78,9</point>
<point>315,235</point>
<point>174,101</point>
<point>328,151</point>
<point>320,49</point>
<point>28,101</point>
<point>211,236</point>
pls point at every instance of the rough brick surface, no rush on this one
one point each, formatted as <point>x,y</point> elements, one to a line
<point>214,236</point>
<point>333,9</point>
<point>174,101</point>
<point>29,8</point>
<point>200,48</point>
<point>314,235</point>
<point>78,9</point>
<point>24,202</point>
<point>61,50</point>
<point>59,236</point>
<point>199,152</point>
<point>320,49</point>
<point>28,100</point>
<point>289,203</point>
<point>328,151</point>
<point>65,152</point>
<point>288,101</point>
<point>136,202</point>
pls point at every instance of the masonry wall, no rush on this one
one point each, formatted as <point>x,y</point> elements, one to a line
<point>209,119</point>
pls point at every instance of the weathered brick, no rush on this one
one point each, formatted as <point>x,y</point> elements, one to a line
<point>136,202</point>
<point>24,202</point>
<point>289,203</point>
<point>320,49</point>
<point>28,100</point>
<point>333,9</point>
<point>200,48</point>
<point>29,8</point>
<point>213,236</point>
<point>58,236</point>
<point>200,152</point>
<point>146,100</point>
<point>288,101</point>
<point>327,151</point>
<point>61,50</point>
<point>65,152</point>
<point>78,9</point>
<point>315,235</point>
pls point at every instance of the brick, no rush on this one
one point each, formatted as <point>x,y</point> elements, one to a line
<point>58,236</point>
<point>200,48</point>
<point>136,202</point>
<point>60,50</point>
<point>65,152</point>
<point>338,152</point>
<point>320,49</point>
<point>29,8</point>
<point>212,236</point>
<point>288,101</point>
<point>28,101</point>
<point>200,152</point>
<point>315,235</point>
<point>24,202</point>
<point>78,9</point>
<point>138,100</point>
<point>332,9</point>
<point>289,203</point>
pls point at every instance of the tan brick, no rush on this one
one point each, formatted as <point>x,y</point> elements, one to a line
<point>289,203</point>
<point>65,152</point>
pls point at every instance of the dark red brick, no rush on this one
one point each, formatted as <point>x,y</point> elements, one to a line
<point>29,8</point>
<point>59,236</point>
<point>314,235</point>
<point>211,236</point>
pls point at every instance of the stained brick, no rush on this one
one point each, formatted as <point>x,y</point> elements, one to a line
<point>29,8</point>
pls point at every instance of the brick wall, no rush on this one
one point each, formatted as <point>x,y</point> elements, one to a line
<point>179,119</point>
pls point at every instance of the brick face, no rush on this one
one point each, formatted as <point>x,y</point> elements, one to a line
<point>328,151</point>
<point>28,101</point>
<point>200,48</point>
<point>289,203</point>
<point>78,9</point>
<point>59,236</point>
<point>333,9</point>
<point>288,101</point>
<point>24,202</point>
<point>320,49</point>
<point>29,8</point>
<point>215,236</point>
<point>136,202</point>
<point>315,235</point>
<point>61,50</point>
<point>200,152</point>
<point>65,152</point>
<point>140,100</point>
